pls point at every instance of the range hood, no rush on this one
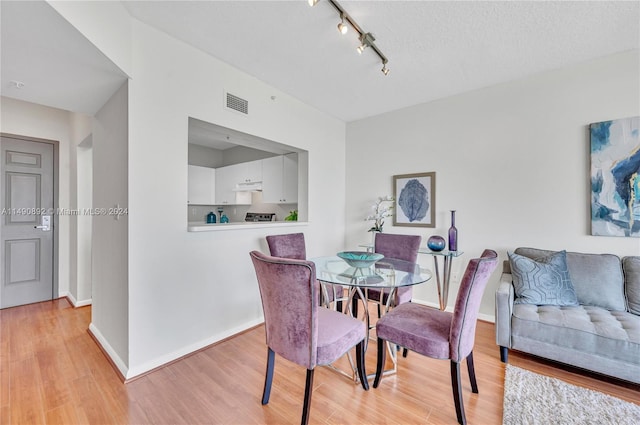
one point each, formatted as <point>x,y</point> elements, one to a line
<point>248,187</point>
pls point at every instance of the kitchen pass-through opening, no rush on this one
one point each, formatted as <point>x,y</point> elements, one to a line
<point>251,178</point>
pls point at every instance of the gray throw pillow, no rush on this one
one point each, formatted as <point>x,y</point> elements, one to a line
<point>542,281</point>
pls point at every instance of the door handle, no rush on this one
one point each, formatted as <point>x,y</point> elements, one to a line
<point>46,223</point>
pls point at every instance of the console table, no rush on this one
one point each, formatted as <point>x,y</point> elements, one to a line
<point>443,284</point>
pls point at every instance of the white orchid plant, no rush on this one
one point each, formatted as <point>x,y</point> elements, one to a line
<point>382,209</point>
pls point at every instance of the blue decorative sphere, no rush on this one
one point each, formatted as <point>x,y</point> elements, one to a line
<point>436,243</point>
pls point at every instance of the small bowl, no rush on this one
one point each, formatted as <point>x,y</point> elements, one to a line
<point>360,259</point>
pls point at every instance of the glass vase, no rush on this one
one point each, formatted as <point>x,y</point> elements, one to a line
<point>453,233</point>
<point>373,240</point>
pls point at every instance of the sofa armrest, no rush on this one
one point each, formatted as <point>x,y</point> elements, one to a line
<point>505,297</point>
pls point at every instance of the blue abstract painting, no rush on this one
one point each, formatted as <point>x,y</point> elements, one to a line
<point>615,177</point>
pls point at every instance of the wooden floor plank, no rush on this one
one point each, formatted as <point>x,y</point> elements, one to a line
<point>54,373</point>
<point>25,390</point>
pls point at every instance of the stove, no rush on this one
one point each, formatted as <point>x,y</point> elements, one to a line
<point>260,217</point>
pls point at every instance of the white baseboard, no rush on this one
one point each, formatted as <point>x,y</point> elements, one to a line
<point>117,361</point>
<point>486,317</point>
<point>75,303</point>
<point>168,358</point>
<point>430,304</point>
<point>130,373</point>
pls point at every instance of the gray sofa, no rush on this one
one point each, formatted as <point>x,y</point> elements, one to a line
<point>601,334</point>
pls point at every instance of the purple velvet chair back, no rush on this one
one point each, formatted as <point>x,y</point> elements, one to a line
<point>290,306</point>
<point>465,313</point>
<point>291,245</point>
<point>402,247</point>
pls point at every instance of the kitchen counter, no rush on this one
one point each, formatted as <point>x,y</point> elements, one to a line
<point>238,225</point>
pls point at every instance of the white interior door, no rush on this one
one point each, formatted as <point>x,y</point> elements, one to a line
<point>26,225</point>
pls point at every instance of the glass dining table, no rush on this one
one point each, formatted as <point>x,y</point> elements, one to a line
<point>387,274</point>
<point>442,281</point>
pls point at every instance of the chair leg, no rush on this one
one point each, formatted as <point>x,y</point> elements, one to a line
<point>339,306</point>
<point>504,354</point>
<point>382,358</point>
<point>354,306</point>
<point>362,371</point>
<point>404,352</point>
<point>457,392</point>
<point>307,397</point>
<point>472,373</point>
<point>271,355</point>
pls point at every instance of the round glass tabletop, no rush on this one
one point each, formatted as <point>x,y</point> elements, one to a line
<point>385,273</point>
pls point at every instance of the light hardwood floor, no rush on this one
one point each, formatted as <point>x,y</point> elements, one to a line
<point>51,371</point>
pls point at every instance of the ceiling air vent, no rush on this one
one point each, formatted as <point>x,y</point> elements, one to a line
<point>237,103</point>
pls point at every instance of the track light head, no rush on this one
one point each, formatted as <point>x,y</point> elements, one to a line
<point>384,69</point>
<point>312,2</point>
<point>366,40</point>
<point>342,28</point>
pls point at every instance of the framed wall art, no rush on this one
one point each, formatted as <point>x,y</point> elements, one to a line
<point>415,200</point>
<point>615,177</point>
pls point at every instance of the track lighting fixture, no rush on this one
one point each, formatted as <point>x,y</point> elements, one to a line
<point>342,28</point>
<point>366,38</point>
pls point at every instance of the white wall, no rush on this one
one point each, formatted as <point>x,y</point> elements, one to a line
<point>205,157</point>
<point>84,187</point>
<point>109,250</point>
<point>513,160</point>
<point>79,289</point>
<point>105,23</point>
<point>188,290</point>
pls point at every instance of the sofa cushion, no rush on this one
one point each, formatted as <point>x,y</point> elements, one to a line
<point>631,268</point>
<point>542,281</point>
<point>597,278</point>
<point>609,334</point>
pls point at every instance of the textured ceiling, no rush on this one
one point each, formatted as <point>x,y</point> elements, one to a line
<point>57,66</point>
<point>435,48</point>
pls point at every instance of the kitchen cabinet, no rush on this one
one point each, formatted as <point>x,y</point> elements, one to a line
<point>249,172</point>
<point>280,179</point>
<point>201,185</point>
<point>230,177</point>
<point>225,183</point>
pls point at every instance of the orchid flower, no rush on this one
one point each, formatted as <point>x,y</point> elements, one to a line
<point>382,208</point>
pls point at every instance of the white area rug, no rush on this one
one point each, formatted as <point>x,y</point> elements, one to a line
<point>530,398</point>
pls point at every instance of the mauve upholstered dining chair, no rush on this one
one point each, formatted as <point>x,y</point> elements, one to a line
<point>440,334</point>
<point>297,328</point>
<point>292,245</point>
<point>400,247</point>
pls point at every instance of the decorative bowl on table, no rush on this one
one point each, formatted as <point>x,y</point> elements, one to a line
<point>436,243</point>
<point>360,259</point>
